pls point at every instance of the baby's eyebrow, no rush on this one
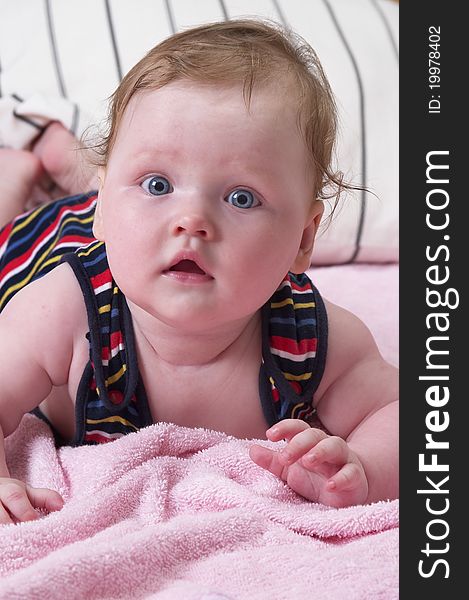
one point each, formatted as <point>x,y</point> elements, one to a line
<point>146,153</point>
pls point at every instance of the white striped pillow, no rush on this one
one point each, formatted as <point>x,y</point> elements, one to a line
<point>79,49</point>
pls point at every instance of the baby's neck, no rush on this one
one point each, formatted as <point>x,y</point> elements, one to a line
<point>182,348</point>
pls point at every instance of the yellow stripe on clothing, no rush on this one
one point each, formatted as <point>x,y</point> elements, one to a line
<point>282,303</point>
<point>297,409</point>
<point>26,222</point>
<point>304,305</point>
<point>90,250</point>
<point>116,376</point>
<point>296,305</point>
<point>292,377</point>
<point>112,419</point>
<point>51,261</point>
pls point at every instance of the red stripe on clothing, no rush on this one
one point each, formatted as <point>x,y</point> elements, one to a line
<point>95,437</point>
<point>5,232</point>
<point>296,386</point>
<point>101,278</point>
<point>116,339</point>
<point>300,288</point>
<point>81,239</point>
<point>293,346</point>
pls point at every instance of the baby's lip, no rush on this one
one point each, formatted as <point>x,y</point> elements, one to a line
<point>188,261</point>
<point>188,266</point>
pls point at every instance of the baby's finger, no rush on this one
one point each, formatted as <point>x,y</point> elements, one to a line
<point>45,498</point>
<point>4,516</point>
<point>15,500</point>
<point>346,479</point>
<point>267,459</point>
<point>332,449</point>
<point>300,444</point>
<point>286,429</point>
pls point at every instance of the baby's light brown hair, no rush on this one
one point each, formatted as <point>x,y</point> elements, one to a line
<point>248,52</point>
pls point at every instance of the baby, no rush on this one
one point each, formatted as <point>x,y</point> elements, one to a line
<point>187,302</point>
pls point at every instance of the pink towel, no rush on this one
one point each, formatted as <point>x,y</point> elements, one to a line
<point>176,513</point>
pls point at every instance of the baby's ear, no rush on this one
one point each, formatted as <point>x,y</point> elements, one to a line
<point>302,261</point>
<point>98,228</point>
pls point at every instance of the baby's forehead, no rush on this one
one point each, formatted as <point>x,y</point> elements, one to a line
<point>281,93</point>
<point>171,109</point>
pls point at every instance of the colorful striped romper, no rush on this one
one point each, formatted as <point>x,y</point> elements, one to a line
<point>111,399</point>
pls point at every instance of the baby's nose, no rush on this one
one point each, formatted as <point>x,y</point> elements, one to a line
<point>193,225</point>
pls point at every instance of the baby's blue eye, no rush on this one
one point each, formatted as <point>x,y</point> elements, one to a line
<point>242,199</point>
<point>157,185</point>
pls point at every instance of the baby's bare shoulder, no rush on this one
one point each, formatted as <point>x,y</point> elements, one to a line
<point>351,347</point>
<point>349,339</point>
<point>46,317</point>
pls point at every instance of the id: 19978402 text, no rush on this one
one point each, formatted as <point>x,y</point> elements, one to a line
<point>434,69</point>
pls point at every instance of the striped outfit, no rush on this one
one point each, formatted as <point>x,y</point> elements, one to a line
<point>111,399</point>
<point>33,243</point>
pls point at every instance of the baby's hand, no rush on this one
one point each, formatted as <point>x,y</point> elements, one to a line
<point>18,501</point>
<point>320,467</point>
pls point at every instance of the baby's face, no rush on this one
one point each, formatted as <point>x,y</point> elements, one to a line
<point>203,204</point>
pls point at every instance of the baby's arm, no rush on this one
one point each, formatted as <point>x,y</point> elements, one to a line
<point>360,401</point>
<point>357,403</point>
<point>36,348</point>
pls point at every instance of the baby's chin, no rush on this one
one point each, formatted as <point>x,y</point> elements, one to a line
<point>179,316</point>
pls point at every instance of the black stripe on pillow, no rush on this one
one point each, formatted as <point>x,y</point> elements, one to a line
<point>23,118</point>
<point>113,40</point>
<point>28,121</point>
<point>169,12</point>
<point>75,118</point>
<point>385,21</point>
<point>224,11</point>
<point>361,219</point>
<point>281,16</point>
<point>53,46</point>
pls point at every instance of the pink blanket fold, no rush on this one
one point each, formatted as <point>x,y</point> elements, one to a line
<point>171,513</point>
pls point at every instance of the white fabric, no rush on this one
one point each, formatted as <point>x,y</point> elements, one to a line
<point>76,52</point>
<point>22,121</point>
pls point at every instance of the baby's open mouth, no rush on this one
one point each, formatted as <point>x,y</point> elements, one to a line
<point>187,266</point>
